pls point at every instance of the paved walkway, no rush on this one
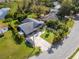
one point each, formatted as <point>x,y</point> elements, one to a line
<point>66,48</point>
<point>39,42</point>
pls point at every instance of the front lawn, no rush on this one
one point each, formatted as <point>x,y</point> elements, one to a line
<point>10,50</point>
<point>49,36</point>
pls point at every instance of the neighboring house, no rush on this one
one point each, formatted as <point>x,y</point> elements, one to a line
<point>76,16</point>
<point>3,28</point>
<point>30,25</point>
<point>53,12</point>
<point>3,12</point>
<point>50,16</point>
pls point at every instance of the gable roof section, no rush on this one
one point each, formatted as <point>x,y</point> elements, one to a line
<point>36,23</point>
<point>27,27</point>
<point>30,25</point>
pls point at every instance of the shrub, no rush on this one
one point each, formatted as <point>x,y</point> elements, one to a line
<point>59,28</point>
<point>32,15</point>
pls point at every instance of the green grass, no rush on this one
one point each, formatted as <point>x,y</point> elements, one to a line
<point>70,23</point>
<point>10,50</point>
<point>49,36</point>
<point>74,54</point>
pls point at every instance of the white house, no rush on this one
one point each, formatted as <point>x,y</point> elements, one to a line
<point>3,28</point>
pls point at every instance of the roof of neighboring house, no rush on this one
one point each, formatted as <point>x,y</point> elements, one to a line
<point>29,25</point>
<point>3,12</point>
<point>76,16</point>
<point>2,25</point>
<point>50,16</point>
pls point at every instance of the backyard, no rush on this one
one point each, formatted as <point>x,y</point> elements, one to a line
<point>10,50</point>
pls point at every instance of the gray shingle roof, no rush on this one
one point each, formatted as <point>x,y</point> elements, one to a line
<point>36,22</point>
<point>29,25</point>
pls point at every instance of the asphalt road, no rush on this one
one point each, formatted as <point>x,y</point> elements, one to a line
<point>66,48</point>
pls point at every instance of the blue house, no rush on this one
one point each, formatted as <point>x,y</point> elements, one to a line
<point>3,12</point>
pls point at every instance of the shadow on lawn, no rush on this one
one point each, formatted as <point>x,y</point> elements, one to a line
<point>17,40</point>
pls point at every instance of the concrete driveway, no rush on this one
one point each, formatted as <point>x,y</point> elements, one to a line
<point>66,48</point>
<point>40,42</point>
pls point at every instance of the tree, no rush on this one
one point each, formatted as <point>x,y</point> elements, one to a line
<point>39,9</point>
<point>76,6</point>
<point>52,24</point>
<point>13,9</point>
<point>46,2</point>
<point>66,8</point>
<point>20,16</point>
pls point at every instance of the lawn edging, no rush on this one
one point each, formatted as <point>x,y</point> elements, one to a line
<point>73,54</point>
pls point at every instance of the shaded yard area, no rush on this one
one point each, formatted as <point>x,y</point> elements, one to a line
<point>49,36</point>
<point>10,50</point>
